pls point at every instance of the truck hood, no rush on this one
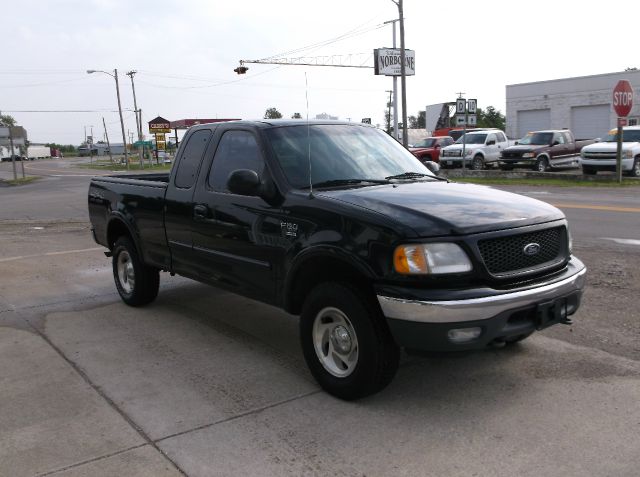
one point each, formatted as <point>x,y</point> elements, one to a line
<point>440,208</point>
<point>421,149</point>
<point>609,146</point>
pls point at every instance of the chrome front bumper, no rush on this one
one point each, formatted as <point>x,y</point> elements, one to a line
<point>483,308</point>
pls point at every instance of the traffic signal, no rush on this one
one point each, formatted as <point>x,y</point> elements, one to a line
<point>241,70</point>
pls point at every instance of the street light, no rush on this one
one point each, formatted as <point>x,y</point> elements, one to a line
<point>124,138</point>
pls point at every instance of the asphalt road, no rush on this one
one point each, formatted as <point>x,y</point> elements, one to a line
<point>206,383</point>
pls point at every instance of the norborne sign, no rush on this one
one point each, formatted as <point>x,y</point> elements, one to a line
<point>387,61</point>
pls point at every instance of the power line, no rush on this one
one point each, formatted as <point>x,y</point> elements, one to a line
<point>63,111</point>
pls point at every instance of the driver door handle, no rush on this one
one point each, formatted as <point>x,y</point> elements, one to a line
<point>200,211</point>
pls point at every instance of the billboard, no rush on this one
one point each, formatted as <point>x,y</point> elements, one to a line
<point>387,61</point>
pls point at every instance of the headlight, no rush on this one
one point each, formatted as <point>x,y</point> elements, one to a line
<point>628,154</point>
<point>529,155</point>
<point>430,259</point>
<point>469,152</point>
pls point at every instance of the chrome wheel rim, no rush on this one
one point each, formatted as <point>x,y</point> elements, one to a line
<point>126,274</point>
<point>335,342</point>
<point>542,166</point>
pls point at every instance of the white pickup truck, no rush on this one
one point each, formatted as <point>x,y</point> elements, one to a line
<point>601,156</point>
<point>481,148</point>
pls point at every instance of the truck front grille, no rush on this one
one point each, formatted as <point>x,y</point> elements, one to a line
<point>506,255</point>
<point>599,155</point>
<point>511,155</point>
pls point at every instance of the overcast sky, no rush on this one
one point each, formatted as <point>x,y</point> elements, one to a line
<point>185,53</point>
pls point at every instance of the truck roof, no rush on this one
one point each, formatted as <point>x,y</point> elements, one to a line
<point>265,123</point>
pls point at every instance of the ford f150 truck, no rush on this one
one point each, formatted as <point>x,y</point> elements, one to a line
<point>338,223</point>
<point>543,151</point>
<point>602,155</point>
<point>481,149</point>
<point>429,148</point>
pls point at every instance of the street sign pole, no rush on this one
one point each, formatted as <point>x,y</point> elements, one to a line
<point>622,103</point>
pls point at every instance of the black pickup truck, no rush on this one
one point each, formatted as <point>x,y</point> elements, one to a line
<point>337,223</point>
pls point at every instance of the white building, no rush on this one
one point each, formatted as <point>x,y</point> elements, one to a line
<point>582,104</point>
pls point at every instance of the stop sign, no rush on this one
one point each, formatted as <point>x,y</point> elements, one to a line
<point>622,98</point>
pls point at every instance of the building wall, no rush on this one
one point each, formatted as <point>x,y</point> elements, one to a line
<point>559,96</point>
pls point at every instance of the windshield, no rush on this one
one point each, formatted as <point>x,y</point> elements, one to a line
<point>472,138</point>
<point>536,139</point>
<point>428,142</point>
<point>340,152</point>
<point>628,135</point>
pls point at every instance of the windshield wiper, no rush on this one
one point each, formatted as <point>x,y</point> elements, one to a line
<point>340,182</point>
<point>416,175</point>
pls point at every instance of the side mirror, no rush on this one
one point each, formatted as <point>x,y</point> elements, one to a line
<point>555,143</point>
<point>244,182</point>
<point>432,166</point>
<point>437,146</point>
<point>491,143</point>
<point>517,142</point>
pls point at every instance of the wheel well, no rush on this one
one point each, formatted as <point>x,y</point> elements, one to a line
<point>115,230</point>
<point>319,270</point>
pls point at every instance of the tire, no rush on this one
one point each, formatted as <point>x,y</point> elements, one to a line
<point>635,171</point>
<point>136,282</point>
<point>542,164</point>
<point>586,170</point>
<point>477,164</point>
<point>346,342</point>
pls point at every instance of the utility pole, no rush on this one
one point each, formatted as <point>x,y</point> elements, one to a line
<point>131,74</point>
<point>395,131</point>
<point>395,86</point>
<point>13,157</point>
<point>106,135</point>
<point>403,73</point>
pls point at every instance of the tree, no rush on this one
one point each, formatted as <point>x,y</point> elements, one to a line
<point>296,116</point>
<point>417,122</point>
<point>7,120</point>
<point>491,118</point>
<point>272,113</point>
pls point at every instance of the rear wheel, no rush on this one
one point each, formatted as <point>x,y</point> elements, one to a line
<point>136,282</point>
<point>542,164</point>
<point>346,342</point>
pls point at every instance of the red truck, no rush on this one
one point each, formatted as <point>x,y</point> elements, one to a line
<point>428,149</point>
<point>544,150</point>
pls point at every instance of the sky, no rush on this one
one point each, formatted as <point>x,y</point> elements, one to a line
<point>185,53</point>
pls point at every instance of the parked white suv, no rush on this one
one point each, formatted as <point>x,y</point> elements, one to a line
<point>481,148</point>
<point>601,156</point>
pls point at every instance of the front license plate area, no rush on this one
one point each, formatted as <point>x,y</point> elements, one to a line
<point>551,312</point>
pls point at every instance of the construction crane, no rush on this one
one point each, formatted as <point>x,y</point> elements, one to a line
<point>336,61</point>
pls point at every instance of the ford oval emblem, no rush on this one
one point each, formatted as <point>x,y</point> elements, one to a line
<point>531,249</point>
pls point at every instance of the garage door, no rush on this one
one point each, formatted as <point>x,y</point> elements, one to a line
<point>590,121</point>
<point>533,120</point>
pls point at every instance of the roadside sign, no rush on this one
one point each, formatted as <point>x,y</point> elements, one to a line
<point>159,125</point>
<point>621,122</point>
<point>143,143</point>
<point>387,62</point>
<point>366,120</point>
<point>623,98</point>
<point>472,105</point>
<point>459,119</point>
<point>471,119</point>
<point>460,106</point>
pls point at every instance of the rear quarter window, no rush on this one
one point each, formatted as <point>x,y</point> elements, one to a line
<point>191,158</point>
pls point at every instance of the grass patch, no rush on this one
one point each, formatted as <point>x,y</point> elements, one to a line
<point>21,181</point>
<point>548,182</point>
<point>116,166</point>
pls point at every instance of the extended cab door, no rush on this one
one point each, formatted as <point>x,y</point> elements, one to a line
<point>491,149</point>
<point>178,212</point>
<point>236,237</point>
<point>559,149</point>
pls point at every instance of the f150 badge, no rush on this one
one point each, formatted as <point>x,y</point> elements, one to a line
<point>289,229</point>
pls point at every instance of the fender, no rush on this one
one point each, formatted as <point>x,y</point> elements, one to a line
<point>329,251</point>
<point>119,217</point>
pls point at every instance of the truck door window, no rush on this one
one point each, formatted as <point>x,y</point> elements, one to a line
<point>191,158</point>
<point>559,138</point>
<point>236,150</point>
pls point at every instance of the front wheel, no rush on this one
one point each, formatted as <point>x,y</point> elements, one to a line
<point>136,282</point>
<point>477,164</point>
<point>542,165</point>
<point>346,342</point>
<point>635,171</point>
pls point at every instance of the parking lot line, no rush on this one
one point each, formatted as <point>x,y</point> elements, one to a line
<point>48,254</point>
<point>596,207</point>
